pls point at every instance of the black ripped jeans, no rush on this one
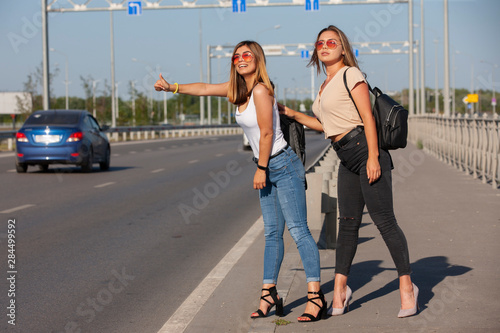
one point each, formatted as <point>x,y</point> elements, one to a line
<point>354,192</point>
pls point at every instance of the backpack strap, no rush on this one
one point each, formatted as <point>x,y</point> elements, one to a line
<point>375,92</point>
<point>349,92</point>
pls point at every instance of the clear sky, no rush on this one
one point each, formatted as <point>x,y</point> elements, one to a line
<point>169,40</point>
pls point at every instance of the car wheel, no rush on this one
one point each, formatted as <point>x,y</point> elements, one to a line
<point>43,167</point>
<point>87,164</point>
<point>105,164</point>
<point>21,167</point>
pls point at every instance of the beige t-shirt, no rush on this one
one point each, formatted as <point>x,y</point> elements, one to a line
<point>334,108</point>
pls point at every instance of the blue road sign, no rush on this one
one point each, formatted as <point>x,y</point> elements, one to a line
<point>134,8</point>
<point>356,52</point>
<point>304,54</point>
<point>308,5</point>
<point>239,6</point>
<point>314,6</point>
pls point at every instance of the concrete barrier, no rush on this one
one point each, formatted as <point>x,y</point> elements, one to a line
<point>322,210</point>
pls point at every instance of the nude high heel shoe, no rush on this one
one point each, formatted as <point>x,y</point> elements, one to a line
<point>336,311</point>
<point>410,312</point>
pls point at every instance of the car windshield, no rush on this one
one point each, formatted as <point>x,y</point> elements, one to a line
<point>53,118</point>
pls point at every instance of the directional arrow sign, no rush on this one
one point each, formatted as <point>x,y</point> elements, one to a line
<point>134,8</point>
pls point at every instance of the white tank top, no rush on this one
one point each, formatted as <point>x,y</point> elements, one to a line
<point>248,122</point>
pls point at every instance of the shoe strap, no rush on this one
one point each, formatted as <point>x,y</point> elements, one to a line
<point>273,293</point>
<point>320,297</point>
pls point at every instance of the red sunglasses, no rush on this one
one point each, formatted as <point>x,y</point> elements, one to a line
<point>246,56</point>
<point>331,44</point>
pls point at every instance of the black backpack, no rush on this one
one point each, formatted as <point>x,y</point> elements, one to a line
<point>294,134</point>
<point>390,117</point>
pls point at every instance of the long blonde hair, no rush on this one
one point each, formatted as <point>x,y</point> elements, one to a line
<point>349,57</point>
<point>238,92</point>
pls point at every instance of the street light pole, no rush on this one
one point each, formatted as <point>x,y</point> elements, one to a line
<point>411,93</point>
<point>113,107</point>
<point>132,84</point>
<point>45,56</point>
<point>417,77</point>
<point>66,82</point>
<point>422,59</point>
<point>494,100</point>
<point>436,89</point>
<point>117,101</point>
<point>93,96</point>
<point>446,63</point>
<point>202,98</point>
<point>453,69</point>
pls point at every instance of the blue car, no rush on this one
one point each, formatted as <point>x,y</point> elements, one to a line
<point>62,137</point>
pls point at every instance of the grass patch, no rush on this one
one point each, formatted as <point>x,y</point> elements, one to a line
<point>420,145</point>
<point>281,322</point>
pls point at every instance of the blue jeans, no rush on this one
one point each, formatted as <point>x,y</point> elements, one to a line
<point>284,199</point>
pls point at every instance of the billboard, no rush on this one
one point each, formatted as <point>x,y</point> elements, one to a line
<point>9,102</point>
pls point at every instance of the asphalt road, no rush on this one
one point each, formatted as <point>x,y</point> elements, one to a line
<point>119,251</point>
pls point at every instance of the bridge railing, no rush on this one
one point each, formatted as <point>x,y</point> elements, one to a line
<point>469,143</point>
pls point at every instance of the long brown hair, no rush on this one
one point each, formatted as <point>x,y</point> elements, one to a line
<point>238,92</point>
<point>349,58</point>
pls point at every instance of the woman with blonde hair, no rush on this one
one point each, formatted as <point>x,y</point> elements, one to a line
<point>280,174</point>
<point>364,176</point>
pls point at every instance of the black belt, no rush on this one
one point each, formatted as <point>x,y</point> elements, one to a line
<point>346,138</point>
<point>256,160</point>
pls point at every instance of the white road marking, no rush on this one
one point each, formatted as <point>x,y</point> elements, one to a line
<point>15,209</point>
<point>181,318</point>
<point>104,185</point>
<point>193,161</point>
<point>157,170</point>
<point>219,155</point>
<point>7,155</point>
<point>132,152</point>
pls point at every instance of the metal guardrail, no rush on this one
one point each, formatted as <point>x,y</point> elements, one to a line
<point>124,133</point>
<point>165,127</point>
<point>167,131</point>
<point>471,144</point>
<point>7,134</point>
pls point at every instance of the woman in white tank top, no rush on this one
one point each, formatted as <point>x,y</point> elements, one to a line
<point>280,174</point>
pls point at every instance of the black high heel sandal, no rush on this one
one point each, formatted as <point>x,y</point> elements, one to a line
<point>322,308</point>
<point>278,302</point>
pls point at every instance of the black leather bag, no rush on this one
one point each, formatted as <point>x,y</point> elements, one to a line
<point>294,134</point>
<point>390,117</point>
